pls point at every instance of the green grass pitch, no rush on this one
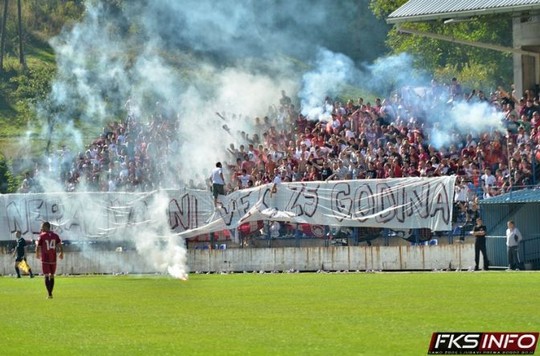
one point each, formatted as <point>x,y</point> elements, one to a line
<point>260,314</point>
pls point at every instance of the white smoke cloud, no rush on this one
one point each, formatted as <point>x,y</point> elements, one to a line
<point>330,74</point>
<point>445,123</point>
<point>157,244</point>
<point>389,73</point>
<point>464,118</point>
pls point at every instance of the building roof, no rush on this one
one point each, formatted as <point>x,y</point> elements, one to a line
<point>426,10</point>
<point>517,197</point>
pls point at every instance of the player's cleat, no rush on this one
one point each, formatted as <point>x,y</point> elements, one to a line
<point>49,297</point>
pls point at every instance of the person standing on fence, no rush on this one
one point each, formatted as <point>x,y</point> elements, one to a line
<point>218,182</point>
<point>479,232</point>
<point>20,256</point>
<point>48,245</point>
<point>513,238</point>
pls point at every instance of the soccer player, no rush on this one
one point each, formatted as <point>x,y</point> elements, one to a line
<point>20,258</point>
<point>47,246</point>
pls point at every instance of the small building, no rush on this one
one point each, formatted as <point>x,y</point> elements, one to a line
<point>523,207</point>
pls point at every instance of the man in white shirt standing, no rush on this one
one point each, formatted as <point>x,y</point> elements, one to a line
<point>513,238</point>
<point>218,182</point>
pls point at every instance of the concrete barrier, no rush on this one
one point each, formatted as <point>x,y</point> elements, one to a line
<point>395,258</point>
<point>334,258</point>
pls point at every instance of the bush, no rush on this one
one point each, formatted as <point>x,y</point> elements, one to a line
<point>8,182</point>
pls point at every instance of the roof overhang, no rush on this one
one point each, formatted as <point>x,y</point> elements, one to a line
<point>412,12</point>
<point>523,196</point>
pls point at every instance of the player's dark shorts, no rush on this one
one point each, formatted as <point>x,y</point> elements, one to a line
<point>48,267</point>
<point>218,189</point>
<point>20,258</point>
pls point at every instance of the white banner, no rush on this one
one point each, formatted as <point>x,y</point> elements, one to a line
<point>399,203</point>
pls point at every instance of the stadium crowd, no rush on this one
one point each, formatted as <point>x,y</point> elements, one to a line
<point>348,140</point>
<point>391,138</point>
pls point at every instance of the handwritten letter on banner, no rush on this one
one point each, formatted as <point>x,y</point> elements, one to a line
<point>399,203</point>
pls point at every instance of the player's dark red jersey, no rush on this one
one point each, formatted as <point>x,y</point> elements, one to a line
<point>48,241</point>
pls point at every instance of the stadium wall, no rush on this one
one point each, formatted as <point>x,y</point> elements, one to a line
<point>352,258</point>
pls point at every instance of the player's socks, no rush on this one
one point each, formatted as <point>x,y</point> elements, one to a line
<point>48,285</point>
<point>31,274</point>
<point>18,272</point>
<point>52,285</point>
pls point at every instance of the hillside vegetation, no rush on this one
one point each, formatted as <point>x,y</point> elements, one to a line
<point>24,85</point>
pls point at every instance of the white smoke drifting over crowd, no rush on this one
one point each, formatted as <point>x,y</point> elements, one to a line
<point>465,118</point>
<point>185,61</point>
<point>330,74</point>
<point>446,121</point>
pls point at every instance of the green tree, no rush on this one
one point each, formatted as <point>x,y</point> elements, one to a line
<point>8,182</point>
<point>25,80</point>
<point>441,57</point>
